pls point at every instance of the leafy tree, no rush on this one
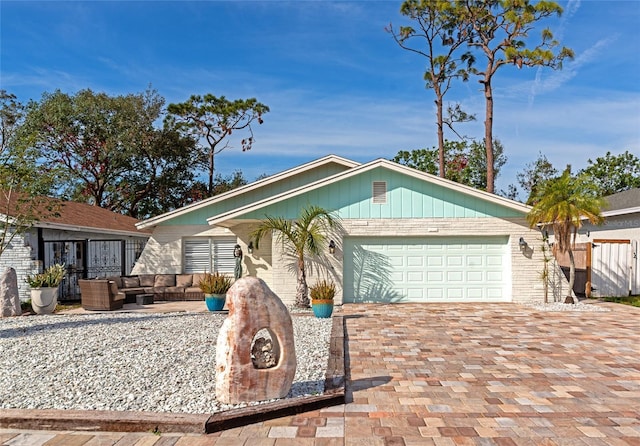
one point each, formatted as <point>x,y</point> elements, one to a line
<point>613,173</point>
<point>307,235</point>
<point>161,177</point>
<point>230,182</point>
<point>439,40</point>
<point>563,203</point>
<point>534,174</point>
<point>214,119</point>
<point>499,29</point>
<point>24,185</point>
<point>465,162</point>
<point>112,154</point>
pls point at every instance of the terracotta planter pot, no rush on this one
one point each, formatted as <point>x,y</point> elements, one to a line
<point>44,300</point>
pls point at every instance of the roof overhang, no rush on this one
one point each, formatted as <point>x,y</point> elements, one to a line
<point>75,228</point>
<point>616,212</point>
<point>247,188</point>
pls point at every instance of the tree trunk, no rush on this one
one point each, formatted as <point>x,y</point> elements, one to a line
<point>488,132</point>
<point>572,277</point>
<point>211,165</point>
<point>302,290</point>
<point>440,133</point>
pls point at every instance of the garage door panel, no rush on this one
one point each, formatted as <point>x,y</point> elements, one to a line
<point>475,276</point>
<point>395,269</point>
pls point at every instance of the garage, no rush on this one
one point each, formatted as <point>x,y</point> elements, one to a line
<point>427,269</point>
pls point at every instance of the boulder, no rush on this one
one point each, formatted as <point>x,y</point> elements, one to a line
<point>253,307</point>
<point>9,296</point>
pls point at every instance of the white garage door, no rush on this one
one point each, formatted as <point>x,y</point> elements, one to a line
<point>430,269</point>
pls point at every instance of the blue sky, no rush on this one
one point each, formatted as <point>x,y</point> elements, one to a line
<point>335,81</point>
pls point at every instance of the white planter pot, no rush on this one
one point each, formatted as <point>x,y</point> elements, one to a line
<point>44,300</point>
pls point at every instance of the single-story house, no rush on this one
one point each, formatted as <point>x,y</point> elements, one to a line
<point>607,256</point>
<point>90,241</point>
<point>406,236</point>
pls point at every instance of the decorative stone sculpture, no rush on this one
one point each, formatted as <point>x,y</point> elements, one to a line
<point>9,296</point>
<point>253,307</point>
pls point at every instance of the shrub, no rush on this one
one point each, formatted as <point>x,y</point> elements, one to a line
<point>323,290</point>
<point>51,277</point>
<point>215,283</point>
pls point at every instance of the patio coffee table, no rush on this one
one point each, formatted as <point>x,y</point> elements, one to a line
<point>144,299</point>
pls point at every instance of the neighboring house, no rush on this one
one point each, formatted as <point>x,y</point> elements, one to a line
<point>407,236</point>
<point>89,240</point>
<point>607,257</point>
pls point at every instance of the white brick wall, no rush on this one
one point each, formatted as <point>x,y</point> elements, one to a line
<point>18,257</point>
<point>163,253</point>
<point>526,285</point>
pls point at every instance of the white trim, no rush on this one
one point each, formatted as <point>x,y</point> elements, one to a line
<point>247,188</point>
<point>621,212</point>
<point>76,228</point>
<point>220,218</point>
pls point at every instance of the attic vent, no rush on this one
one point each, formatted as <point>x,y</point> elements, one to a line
<point>379,192</point>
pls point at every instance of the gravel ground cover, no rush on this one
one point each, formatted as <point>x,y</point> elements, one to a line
<point>133,362</point>
<point>561,306</point>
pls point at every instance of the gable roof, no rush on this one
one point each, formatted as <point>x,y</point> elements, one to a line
<point>359,169</point>
<point>73,216</point>
<point>625,202</point>
<point>343,163</point>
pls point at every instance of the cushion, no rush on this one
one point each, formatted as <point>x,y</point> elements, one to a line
<point>130,282</point>
<point>117,280</point>
<point>173,289</point>
<point>197,277</point>
<point>184,280</point>
<point>164,280</point>
<point>147,279</point>
<point>113,288</point>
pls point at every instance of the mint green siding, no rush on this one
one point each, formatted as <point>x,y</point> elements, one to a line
<point>200,216</point>
<point>407,197</point>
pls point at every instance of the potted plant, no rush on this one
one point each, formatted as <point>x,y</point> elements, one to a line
<point>322,294</point>
<point>44,288</point>
<point>215,287</point>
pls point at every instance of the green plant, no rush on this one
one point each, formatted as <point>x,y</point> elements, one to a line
<point>51,277</point>
<point>215,283</point>
<point>323,290</point>
<point>25,306</point>
<point>627,300</point>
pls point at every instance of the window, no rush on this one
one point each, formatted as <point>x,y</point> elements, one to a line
<point>208,254</point>
<point>379,192</point>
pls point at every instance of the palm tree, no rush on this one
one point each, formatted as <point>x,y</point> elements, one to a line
<point>563,203</point>
<point>307,235</point>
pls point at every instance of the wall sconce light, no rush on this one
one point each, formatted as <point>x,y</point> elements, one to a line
<point>332,247</point>
<point>522,244</point>
<point>250,247</point>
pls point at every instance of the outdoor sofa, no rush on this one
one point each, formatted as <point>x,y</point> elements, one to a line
<point>161,286</point>
<point>100,294</point>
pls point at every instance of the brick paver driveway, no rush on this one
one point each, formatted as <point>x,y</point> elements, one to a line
<point>457,374</point>
<point>492,374</point>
